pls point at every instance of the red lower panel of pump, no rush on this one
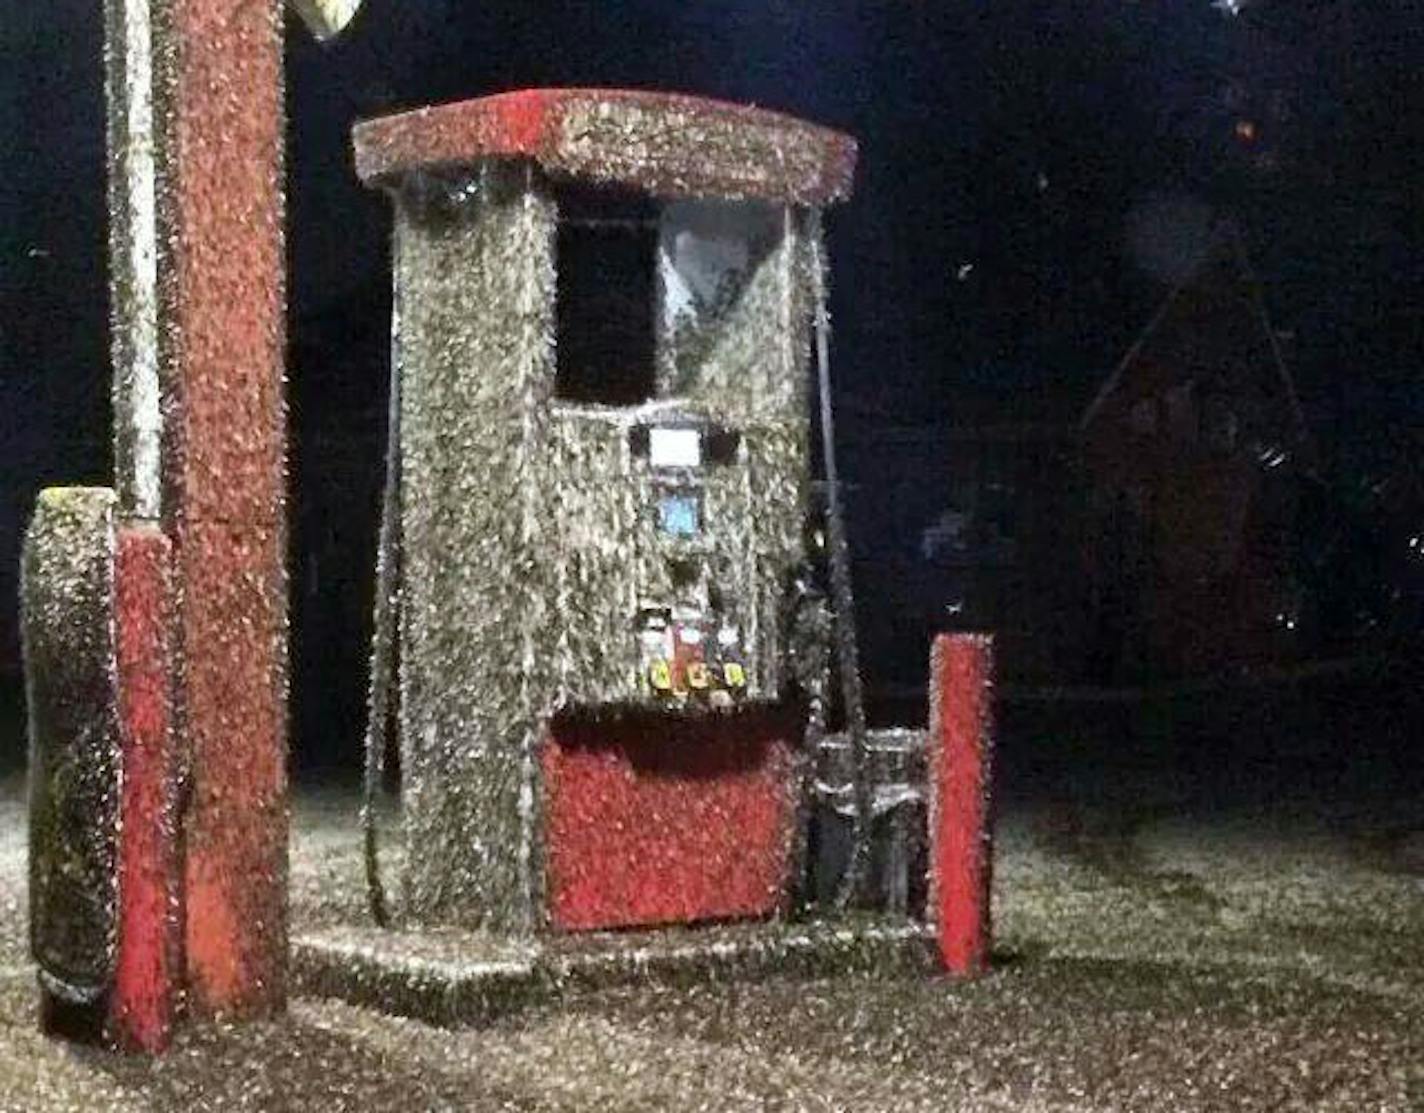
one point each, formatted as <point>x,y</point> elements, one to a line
<point>662,820</point>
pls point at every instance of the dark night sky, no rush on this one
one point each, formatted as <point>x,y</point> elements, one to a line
<point>1007,149</point>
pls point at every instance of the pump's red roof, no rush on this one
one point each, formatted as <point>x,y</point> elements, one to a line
<point>663,143</point>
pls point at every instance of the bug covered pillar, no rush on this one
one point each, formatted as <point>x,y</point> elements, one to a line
<point>145,981</point>
<point>218,112</point>
<point>217,123</point>
<point>154,612</point>
<point>218,92</point>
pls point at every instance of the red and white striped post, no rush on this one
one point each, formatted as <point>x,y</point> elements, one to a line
<point>961,746</point>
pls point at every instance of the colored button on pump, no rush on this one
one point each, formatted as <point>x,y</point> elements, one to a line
<point>660,676</point>
<point>734,675</point>
<point>697,675</point>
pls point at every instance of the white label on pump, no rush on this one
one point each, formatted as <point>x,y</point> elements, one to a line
<point>675,448</point>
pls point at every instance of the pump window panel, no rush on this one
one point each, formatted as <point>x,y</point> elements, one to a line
<point>606,299</point>
<point>708,253</point>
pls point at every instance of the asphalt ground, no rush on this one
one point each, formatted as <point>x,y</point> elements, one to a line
<point>1208,903</point>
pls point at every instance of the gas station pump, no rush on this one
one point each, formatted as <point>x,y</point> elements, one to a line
<point>604,307</point>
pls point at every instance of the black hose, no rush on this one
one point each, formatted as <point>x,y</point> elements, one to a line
<point>383,646</point>
<point>843,605</point>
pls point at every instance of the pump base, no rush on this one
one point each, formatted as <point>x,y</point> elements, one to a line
<point>456,978</point>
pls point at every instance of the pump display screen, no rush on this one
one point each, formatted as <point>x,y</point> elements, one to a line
<point>680,515</point>
<point>675,448</point>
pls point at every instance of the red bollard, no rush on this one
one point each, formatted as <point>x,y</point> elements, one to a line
<point>146,969</point>
<point>961,746</point>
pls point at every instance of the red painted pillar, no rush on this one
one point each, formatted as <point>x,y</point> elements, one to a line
<point>961,746</point>
<point>146,968</point>
<point>220,103</point>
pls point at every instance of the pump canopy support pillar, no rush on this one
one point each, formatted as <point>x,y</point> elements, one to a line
<point>219,109</point>
<point>961,742</point>
<point>195,103</point>
<point>155,612</point>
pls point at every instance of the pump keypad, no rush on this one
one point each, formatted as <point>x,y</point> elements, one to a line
<point>692,662</point>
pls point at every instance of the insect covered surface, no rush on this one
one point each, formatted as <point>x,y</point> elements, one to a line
<point>67,596</point>
<point>568,538</point>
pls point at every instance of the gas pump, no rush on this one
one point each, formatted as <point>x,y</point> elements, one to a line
<point>604,309</point>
